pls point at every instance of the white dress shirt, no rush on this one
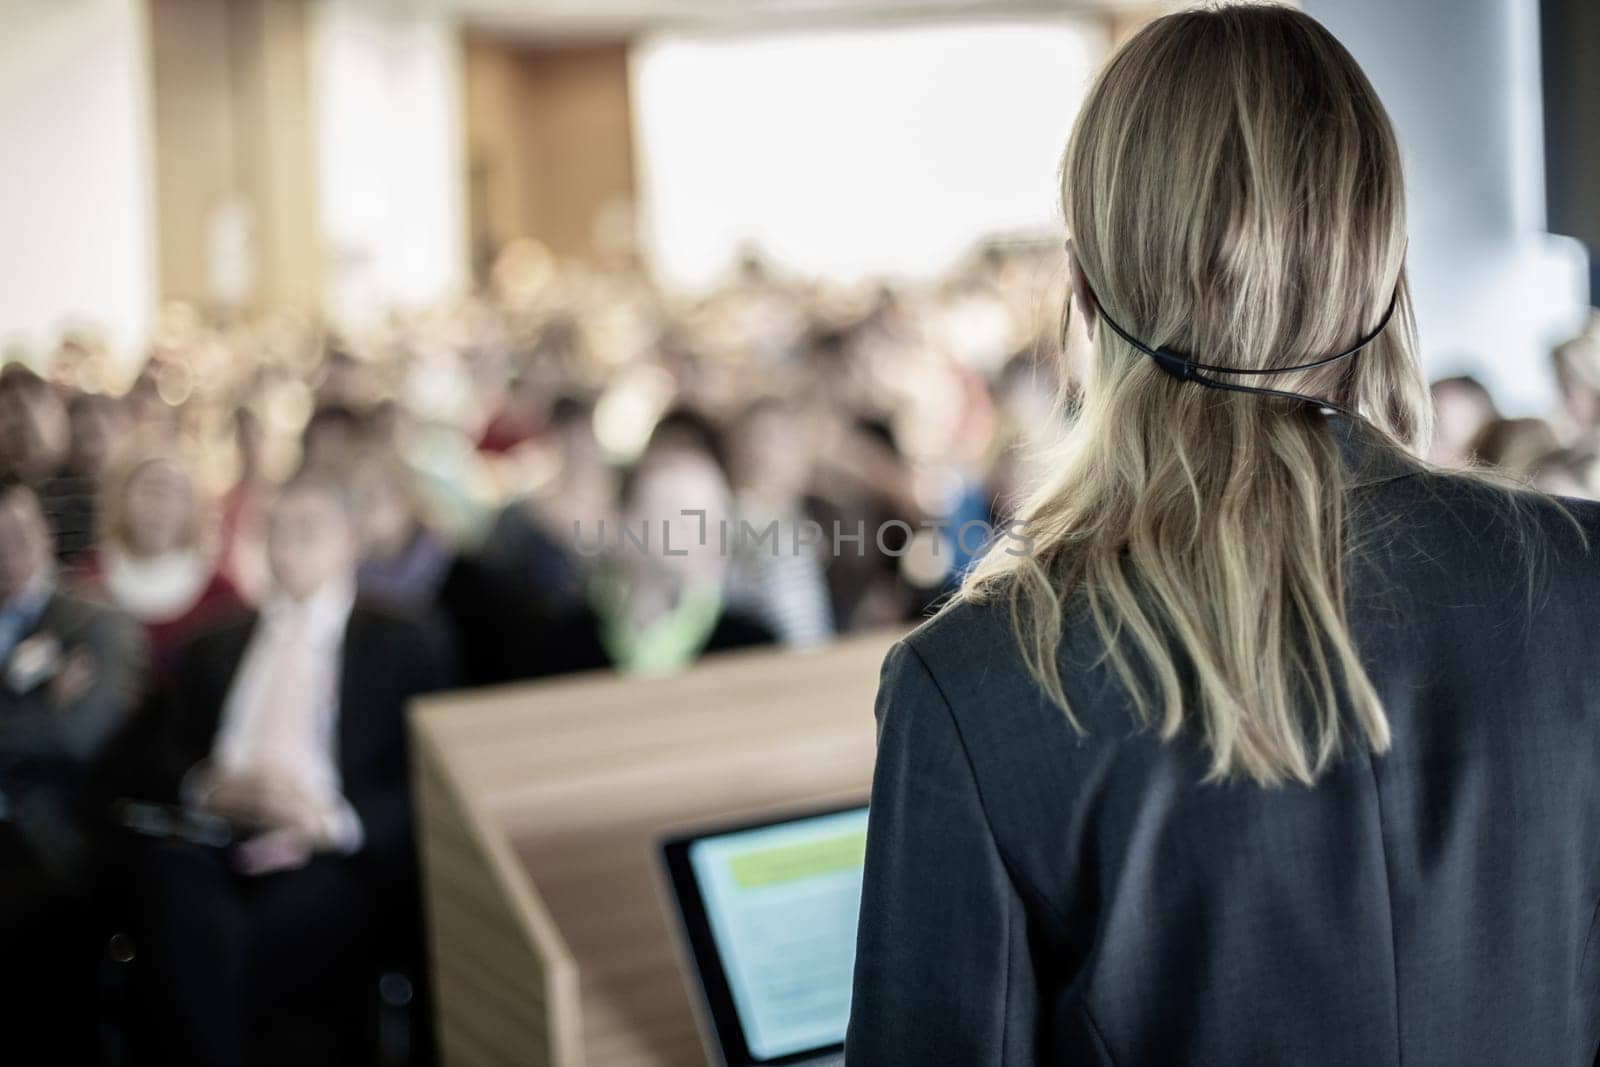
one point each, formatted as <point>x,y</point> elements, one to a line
<point>280,718</point>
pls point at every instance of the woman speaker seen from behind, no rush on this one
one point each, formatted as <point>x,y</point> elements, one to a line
<point>1259,741</point>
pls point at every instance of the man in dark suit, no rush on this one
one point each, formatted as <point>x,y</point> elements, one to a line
<point>70,671</point>
<point>289,725</point>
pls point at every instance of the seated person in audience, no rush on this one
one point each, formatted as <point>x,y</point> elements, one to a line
<point>659,601</point>
<point>332,437</point>
<point>528,569</point>
<point>1577,367</point>
<point>343,379</point>
<point>531,544</point>
<point>70,672</point>
<point>521,416</point>
<point>35,442</point>
<point>771,458</point>
<point>865,490</point>
<point>150,561</point>
<point>523,411</point>
<point>101,427</point>
<point>155,420</point>
<point>403,561</point>
<point>289,725</point>
<point>1462,408</point>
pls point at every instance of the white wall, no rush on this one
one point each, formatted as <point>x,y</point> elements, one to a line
<point>389,157</point>
<point>853,151</point>
<point>76,201</point>
<point>1460,79</point>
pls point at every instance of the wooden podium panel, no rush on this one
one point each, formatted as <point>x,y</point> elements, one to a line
<point>540,808</point>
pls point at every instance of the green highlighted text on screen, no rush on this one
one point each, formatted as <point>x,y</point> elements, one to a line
<point>804,859</point>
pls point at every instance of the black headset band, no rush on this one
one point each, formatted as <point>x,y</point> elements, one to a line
<point>1171,361</point>
<point>1185,369</point>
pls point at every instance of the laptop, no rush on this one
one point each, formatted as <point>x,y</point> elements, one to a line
<point>767,911</point>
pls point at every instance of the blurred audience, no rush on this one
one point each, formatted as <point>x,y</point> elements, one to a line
<point>567,471</point>
<point>1559,454</point>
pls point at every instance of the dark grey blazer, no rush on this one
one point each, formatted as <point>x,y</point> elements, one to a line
<point>1031,897</point>
<point>49,751</point>
<point>34,731</point>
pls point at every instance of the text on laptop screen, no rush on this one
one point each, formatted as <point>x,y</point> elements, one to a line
<point>782,902</point>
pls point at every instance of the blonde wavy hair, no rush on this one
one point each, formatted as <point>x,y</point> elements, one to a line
<point>1233,190</point>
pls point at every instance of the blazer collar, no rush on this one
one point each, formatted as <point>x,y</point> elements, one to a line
<point>1368,456</point>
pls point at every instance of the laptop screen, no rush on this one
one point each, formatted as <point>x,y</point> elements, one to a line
<point>781,902</point>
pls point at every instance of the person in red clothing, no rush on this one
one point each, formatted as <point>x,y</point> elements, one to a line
<point>525,410</point>
<point>152,561</point>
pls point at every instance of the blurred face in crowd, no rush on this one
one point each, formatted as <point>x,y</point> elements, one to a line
<point>330,442</point>
<point>1577,367</point>
<point>390,426</point>
<point>1580,400</point>
<point>346,381</point>
<point>100,426</point>
<point>311,540</point>
<point>155,419</point>
<point>663,489</point>
<point>25,543</point>
<point>771,454</point>
<point>1460,412</point>
<point>528,397</point>
<point>579,450</point>
<point>34,430</point>
<point>158,510</point>
<point>383,507</point>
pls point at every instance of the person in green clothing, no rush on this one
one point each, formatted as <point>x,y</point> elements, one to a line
<point>657,599</point>
<point>660,602</point>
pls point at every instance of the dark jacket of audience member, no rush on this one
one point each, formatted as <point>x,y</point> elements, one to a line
<point>290,725</point>
<point>70,671</point>
<point>387,658</point>
<point>53,731</point>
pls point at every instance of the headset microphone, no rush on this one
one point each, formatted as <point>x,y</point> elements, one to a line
<point>1186,369</point>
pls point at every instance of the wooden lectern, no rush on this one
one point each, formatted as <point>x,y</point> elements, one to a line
<point>539,810</point>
